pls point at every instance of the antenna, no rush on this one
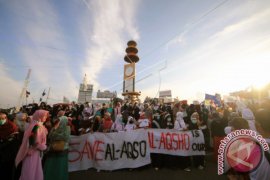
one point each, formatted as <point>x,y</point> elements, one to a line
<point>23,93</point>
<point>48,95</point>
<point>85,83</point>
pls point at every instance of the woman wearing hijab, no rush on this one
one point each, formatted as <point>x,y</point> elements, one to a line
<point>34,142</point>
<point>56,164</point>
<point>130,124</point>
<point>107,122</point>
<point>248,115</point>
<point>179,123</point>
<point>196,124</point>
<point>217,132</point>
<point>263,127</point>
<point>143,122</point>
<point>21,122</point>
<point>237,123</point>
<point>8,146</point>
<point>118,125</point>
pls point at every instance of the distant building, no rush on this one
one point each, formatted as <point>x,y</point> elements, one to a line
<point>165,94</point>
<point>85,92</point>
<point>100,101</point>
<point>106,94</point>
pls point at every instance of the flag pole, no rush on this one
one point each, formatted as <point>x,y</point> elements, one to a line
<point>48,95</point>
<point>23,92</point>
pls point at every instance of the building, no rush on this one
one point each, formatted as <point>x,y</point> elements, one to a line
<point>106,94</point>
<point>165,94</point>
<point>85,92</point>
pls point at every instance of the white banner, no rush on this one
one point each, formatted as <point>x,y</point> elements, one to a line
<point>179,143</point>
<point>109,151</point>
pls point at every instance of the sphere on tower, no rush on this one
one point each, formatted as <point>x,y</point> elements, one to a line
<point>131,51</point>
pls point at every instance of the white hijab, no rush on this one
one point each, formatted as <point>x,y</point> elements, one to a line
<point>179,123</point>
<point>130,126</point>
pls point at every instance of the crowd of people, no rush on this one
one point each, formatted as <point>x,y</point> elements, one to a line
<point>34,142</point>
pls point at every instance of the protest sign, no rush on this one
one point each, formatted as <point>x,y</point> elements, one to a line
<point>111,151</point>
<point>179,143</point>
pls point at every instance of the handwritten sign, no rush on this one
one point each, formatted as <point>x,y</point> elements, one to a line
<point>111,151</point>
<point>179,143</point>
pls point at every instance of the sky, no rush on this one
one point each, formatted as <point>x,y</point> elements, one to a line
<point>191,47</point>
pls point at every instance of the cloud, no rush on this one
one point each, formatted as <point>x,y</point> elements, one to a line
<point>178,40</point>
<point>103,29</point>
<point>256,20</point>
<point>45,48</point>
<point>113,26</point>
<point>232,58</point>
<point>10,88</point>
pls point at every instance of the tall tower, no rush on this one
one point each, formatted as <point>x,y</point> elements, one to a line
<point>131,58</point>
<point>85,91</point>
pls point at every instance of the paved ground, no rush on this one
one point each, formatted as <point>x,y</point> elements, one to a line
<point>209,173</point>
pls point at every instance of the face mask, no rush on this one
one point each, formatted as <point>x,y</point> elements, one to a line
<point>194,120</point>
<point>2,121</point>
<point>184,114</point>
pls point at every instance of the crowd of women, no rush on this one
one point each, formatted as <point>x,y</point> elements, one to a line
<point>34,141</point>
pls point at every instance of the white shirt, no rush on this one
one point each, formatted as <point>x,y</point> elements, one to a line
<point>263,171</point>
<point>143,123</point>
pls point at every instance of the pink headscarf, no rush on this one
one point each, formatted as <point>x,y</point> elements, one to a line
<point>24,148</point>
<point>39,115</point>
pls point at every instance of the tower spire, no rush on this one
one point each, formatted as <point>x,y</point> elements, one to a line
<point>85,82</point>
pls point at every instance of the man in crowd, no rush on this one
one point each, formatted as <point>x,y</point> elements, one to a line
<point>8,147</point>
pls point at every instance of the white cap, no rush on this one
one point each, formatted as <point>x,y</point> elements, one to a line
<point>228,130</point>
